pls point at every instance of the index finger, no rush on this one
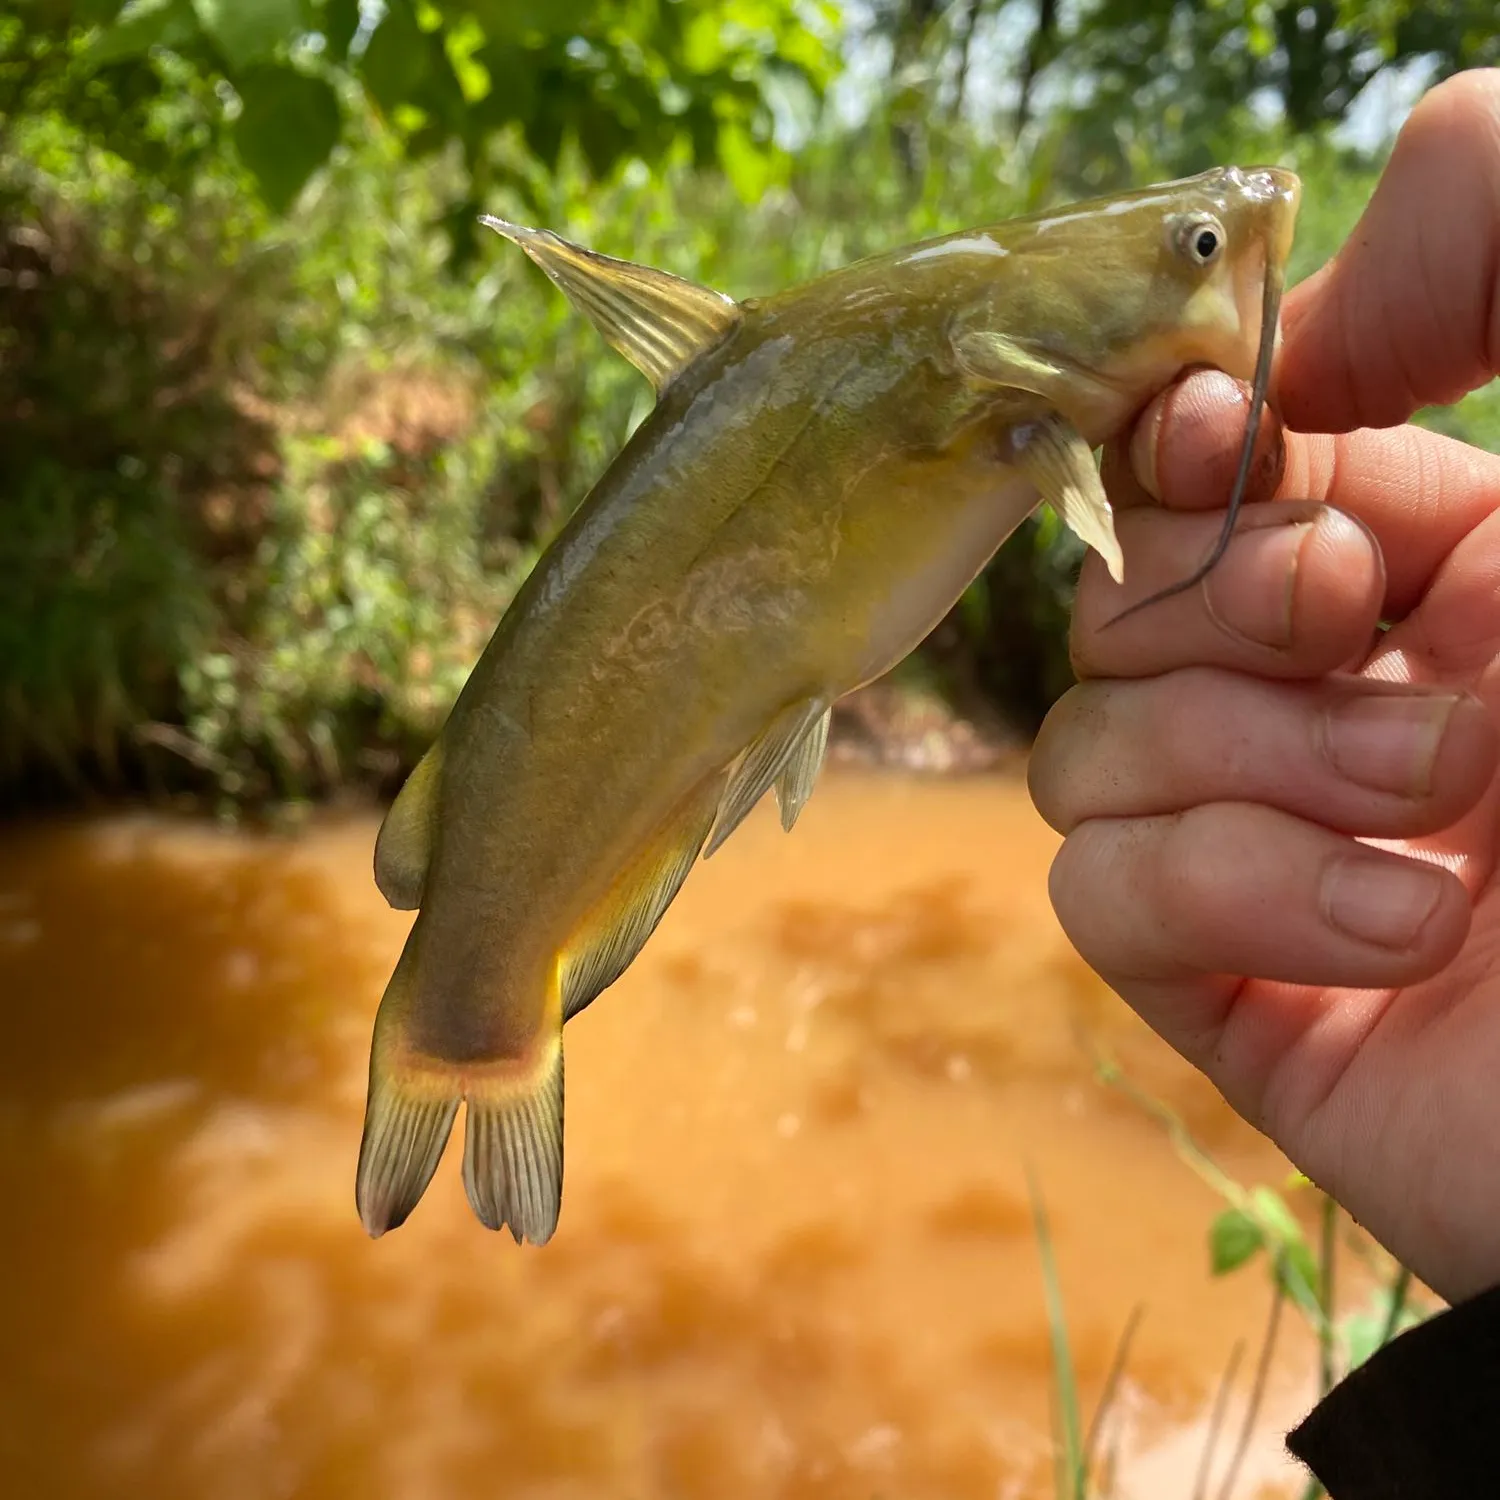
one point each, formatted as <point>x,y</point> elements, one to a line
<point>1418,492</point>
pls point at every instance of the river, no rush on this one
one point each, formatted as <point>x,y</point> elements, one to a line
<point>796,1258</point>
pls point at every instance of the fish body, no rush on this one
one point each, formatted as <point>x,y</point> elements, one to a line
<point>825,472</point>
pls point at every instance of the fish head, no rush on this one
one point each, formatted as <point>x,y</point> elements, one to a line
<point>1223,236</point>
<point>1196,266</point>
<point>1120,295</point>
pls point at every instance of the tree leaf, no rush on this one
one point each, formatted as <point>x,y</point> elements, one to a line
<point>96,12</point>
<point>289,124</point>
<point>339,22</point>
<point>513,20</point>
<point>142,26</point>
<point>396,61</point>
<point>1234,1238</point>
<point>750,168</point>
<point>1270,1207</point>
<point>249,31</point>
<point>1298,1273</point>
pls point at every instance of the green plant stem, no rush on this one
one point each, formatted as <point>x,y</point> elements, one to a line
<point>1327,1255</point>
<point>1072,1480</point>
<point>1220,1181</point>
<point>1400,1290</point>
<point>1257,1390</point>
<point>1216,1422</point>
<point>1111,1386</point>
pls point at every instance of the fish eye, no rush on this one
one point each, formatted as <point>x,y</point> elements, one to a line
<point>1200,238</point>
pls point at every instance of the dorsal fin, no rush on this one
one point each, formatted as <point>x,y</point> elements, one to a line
<point>658,321</point>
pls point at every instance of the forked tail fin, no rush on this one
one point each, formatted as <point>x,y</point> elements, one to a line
<point>513,1151</point>
<point>513,1148</point>
<point>407,1124</point>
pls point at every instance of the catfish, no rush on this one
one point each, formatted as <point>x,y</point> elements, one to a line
<point>824,473</point>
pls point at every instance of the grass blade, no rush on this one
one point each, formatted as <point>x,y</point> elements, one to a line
<point>1325,1328</point>
<point>1257,1393</point>
<point>1400,1290</point>
<point>1072,1477</point>
<point>1216,1422</point>
<point>1111,1386</point>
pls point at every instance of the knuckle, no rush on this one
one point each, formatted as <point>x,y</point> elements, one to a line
<point>1198,873</point>
<point>1050,766</point>
<point>1081,885</point>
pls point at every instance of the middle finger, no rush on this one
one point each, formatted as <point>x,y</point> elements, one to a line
<point>1297,594</point>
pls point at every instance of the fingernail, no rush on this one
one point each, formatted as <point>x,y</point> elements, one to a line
<point>1252,592</point>
<point>1143,443</point>
<point>1378,901</point>
<point>1388,742</point>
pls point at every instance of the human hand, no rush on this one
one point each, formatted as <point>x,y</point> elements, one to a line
<point>1229,753</point>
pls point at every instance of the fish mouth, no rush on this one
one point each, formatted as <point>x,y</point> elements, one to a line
<point>1276,194</point>
<point>1280,194</point>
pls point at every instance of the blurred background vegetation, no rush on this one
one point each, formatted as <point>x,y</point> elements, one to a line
<point>279,435</point>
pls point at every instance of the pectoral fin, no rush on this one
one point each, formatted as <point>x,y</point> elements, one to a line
<point>992,359</point>
<point>609,938</point>
<point>794,785</point>
<point>764,760</point>
<point>1052,454</point>
<point>658,321</point>
<point>403,847</point>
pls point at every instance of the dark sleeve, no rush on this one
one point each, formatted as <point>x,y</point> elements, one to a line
<point>1420,1420</point>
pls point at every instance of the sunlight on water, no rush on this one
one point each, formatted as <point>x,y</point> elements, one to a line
<point>795,1258</point>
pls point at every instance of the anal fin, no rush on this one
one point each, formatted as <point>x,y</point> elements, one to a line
<point>795,783</point>
<point>403,847</point>
<point>766,757</point>
<point>615,931</point>
<point>513,1148</point>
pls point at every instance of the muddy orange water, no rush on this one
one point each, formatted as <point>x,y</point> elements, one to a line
<point>796,1257</point>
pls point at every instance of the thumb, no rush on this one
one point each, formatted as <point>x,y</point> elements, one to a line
<point>1408,313</point>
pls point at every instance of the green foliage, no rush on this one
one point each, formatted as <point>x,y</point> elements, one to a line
<point>356,455</point>
<point>508,83</point>
<point>282,436</point>
<point>1232,1240</point>
<point>1259,1219</point>
<point>287,125</point>
<point>1182,81</point>
<point>1388,1313</point>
